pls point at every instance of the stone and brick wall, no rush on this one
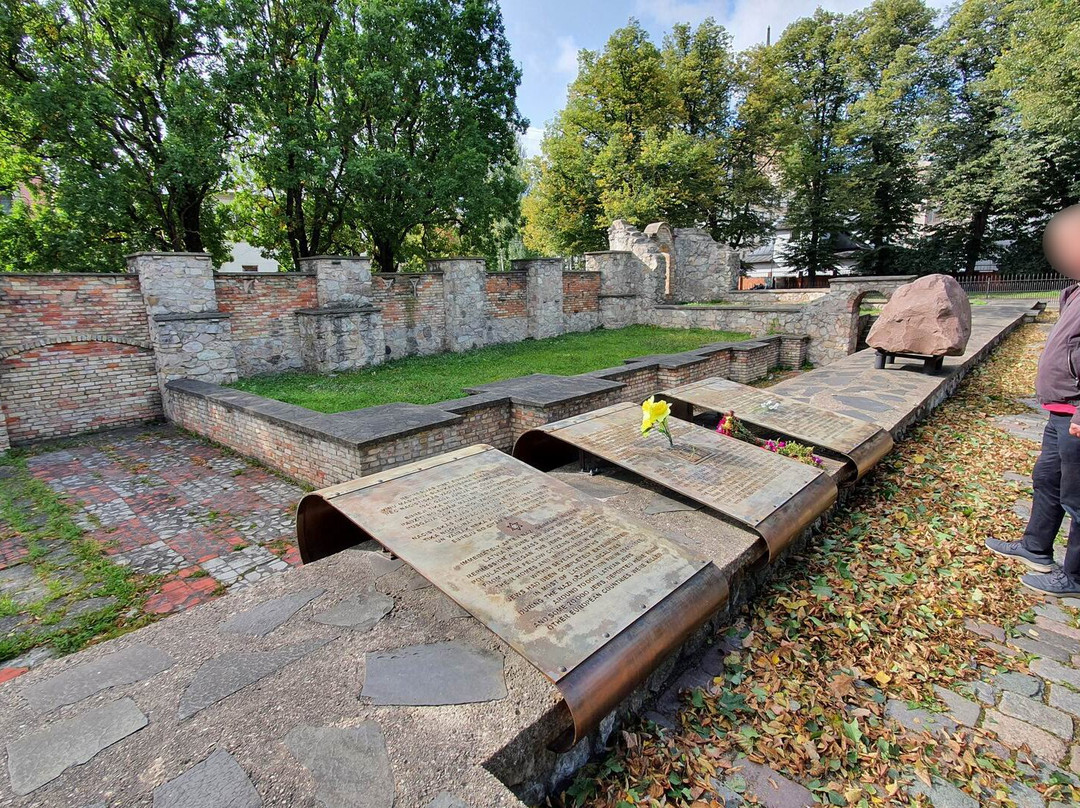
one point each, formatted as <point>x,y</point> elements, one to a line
<point>262,308</point>
<point>581,301</point>
<point>414,321</point>
<point>506,307</point>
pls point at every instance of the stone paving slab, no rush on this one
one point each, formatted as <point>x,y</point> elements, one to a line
<point>360,613</point>
<point>217,782</point>
<point>268,616</point>
<point>1015,733</point>
<point>896,396</point>
<point>132,664</point>
<point>36,759</point>
<point>440,673</point>
<point>350,766</point>
<point>224,675</point>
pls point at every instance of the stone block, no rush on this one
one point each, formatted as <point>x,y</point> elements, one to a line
<point>350,765</point>
<point>133,664</point>
<point>1016,733</point>
<point>216,782</point>
<point>963,711</point>
<point>1038,714</point>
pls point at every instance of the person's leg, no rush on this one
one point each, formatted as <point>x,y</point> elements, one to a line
<point>1036,547</point>
<point>1069,450</point>
<point>1046,507</point>
<point>1061,581</point>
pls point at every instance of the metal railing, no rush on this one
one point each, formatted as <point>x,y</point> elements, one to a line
<point>1015,286</point>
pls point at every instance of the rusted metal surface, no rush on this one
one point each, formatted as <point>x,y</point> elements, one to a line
<point>775,496</point>
<point>569,583</point>
<point>859,443</point>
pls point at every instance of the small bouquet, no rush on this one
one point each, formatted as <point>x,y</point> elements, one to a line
<point>788,448</point>
<point>654,416</point>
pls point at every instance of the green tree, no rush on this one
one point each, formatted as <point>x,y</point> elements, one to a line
<point>590,170</point>
<point>125,103</point>
<point>809,88</point>
<point>648,134</point>
<point>886,54</point>
<point>375,119</point>
<point>963,130</point>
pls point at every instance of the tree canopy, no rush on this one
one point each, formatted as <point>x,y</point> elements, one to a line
<point>859,124</point>
<point>305,127</point>
<point>391,126</point>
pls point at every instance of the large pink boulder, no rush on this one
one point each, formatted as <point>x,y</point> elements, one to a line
<point>929,316</point>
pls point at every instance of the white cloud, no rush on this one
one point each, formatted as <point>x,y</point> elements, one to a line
<point>530,141</point>
<point>566,61</point>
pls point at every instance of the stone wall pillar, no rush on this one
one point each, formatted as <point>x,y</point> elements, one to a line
<point>464,302</point>
<point>544,295</point>
<point>341,338</point>
<point>190,337</point>
<point>345,332</point>
<point>340,280</point>
<point>620,283</point>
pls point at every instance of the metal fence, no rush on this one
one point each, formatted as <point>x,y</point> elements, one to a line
<point>1015,286</point>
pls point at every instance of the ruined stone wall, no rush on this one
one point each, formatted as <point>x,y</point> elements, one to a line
<point>704,270</point>
<point>681,265</point>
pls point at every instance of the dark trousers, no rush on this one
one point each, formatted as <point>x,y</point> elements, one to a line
<point>1056,481</point>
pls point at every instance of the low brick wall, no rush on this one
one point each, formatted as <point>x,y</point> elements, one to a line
<point>324,449</point>
<point>68,388</point>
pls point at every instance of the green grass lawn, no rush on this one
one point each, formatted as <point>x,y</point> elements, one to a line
<point>429,379</point>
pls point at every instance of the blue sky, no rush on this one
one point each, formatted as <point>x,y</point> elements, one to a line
<point>545,36</point>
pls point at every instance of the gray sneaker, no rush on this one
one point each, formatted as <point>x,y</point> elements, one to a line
<point>1058,583</point>
<point>1017,550</point>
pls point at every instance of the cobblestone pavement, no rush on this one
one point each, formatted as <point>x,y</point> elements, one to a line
<point>167,504</point>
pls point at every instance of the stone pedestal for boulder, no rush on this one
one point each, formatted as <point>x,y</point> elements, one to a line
<point>928,319</point>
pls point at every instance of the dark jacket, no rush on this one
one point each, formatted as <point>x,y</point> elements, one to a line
<point>1058,379</point>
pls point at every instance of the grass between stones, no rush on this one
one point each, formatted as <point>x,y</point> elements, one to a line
<point>430,379</point>
<point>873,610</point>
<point>64,592</point>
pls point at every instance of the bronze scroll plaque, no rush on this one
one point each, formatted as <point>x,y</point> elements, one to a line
<point>861,443</point>
<point>554,573</point>
<point>775,496</point>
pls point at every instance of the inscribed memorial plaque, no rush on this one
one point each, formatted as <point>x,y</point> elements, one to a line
<point>861,443</point>
<point>775,496</point>
<point>561,577</point>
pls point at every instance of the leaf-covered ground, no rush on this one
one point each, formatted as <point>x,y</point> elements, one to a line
<point>873,610</point>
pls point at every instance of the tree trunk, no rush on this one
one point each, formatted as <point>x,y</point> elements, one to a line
<point>976,234</point>
<point>190,210</point>
<point>383,254</point>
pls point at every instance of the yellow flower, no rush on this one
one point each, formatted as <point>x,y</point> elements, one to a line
<point>653,412</point>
